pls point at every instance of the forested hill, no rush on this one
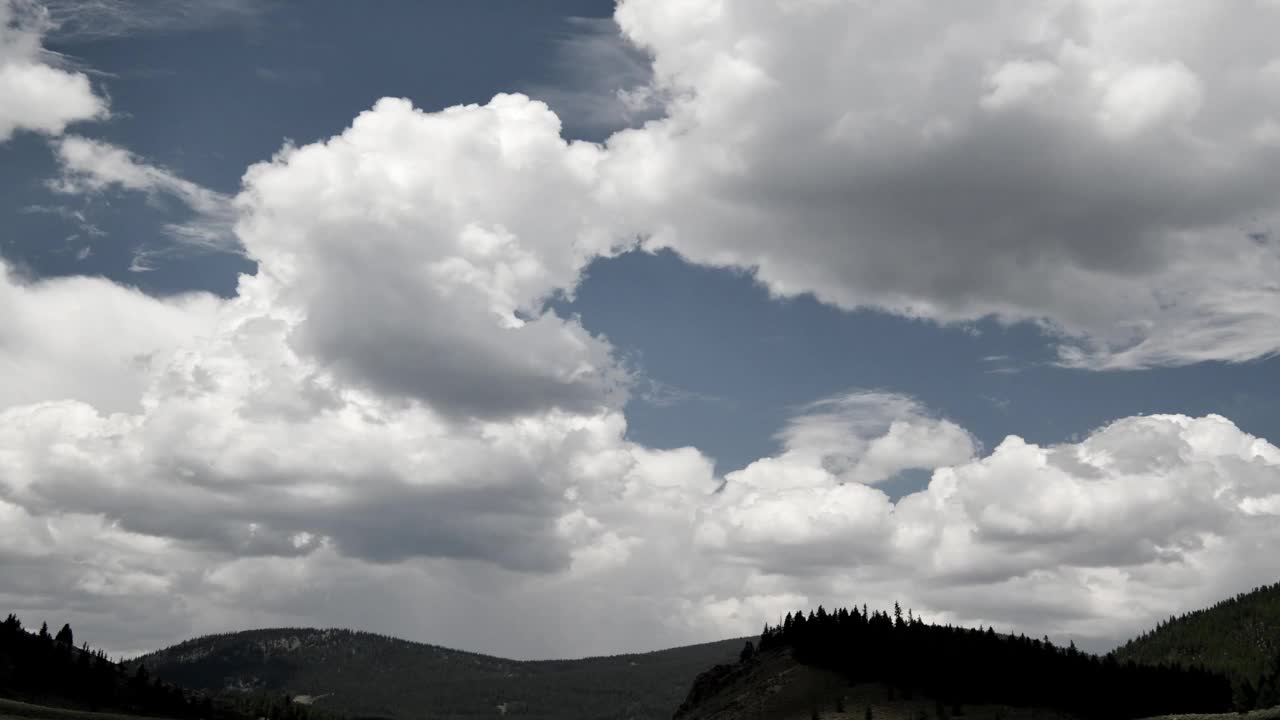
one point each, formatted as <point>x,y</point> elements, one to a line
<point>49,669</point>
<point>959,666</point>
<point>367,675</point>
<point>1239,636</point>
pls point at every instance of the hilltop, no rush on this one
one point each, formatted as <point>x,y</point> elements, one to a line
<point>1239,636</point>
<point>859,663</point>
<point>367,675</point>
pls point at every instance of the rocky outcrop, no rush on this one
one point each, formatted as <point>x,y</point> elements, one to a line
<point>713,683</point>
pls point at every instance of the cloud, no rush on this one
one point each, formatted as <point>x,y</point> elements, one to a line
<point>89,339</point>
<point>665,395</point>
<point>387,403</point>
<point>868,437</point>
<point>254,485</point>
<point>71,215</point>
<point>808,509</point>
<point>39,95</point>
<point>1147,515</point>
<point>1095,168</point>
<point>422,248</point>
<point>96,19</point>
<point>246,449</point>
<point>92,166</point>
<point>443,429</point>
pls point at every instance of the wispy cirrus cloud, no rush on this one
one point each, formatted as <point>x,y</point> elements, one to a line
<point>70,214</point>
<point>93,19</point>
<point>93,166</point>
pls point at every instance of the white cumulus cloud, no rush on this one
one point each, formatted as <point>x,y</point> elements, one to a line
<point>37,94</point>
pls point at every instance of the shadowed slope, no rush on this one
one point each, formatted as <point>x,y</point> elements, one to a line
<point>369,675</point>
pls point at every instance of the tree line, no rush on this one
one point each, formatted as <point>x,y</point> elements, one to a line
<point>47,669</point>
<point>960,666</point>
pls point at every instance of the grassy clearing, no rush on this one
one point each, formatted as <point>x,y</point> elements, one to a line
<point>14,710</point>
<point>1271,714</point>
<point>857,699</point>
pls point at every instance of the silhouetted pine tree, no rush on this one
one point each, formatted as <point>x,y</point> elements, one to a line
<point>46,670</point>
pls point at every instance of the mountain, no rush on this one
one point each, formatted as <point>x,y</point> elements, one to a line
<point>1239,636</point>
<point>375,676</point>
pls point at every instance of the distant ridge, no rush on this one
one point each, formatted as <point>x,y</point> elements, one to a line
<point>367,675</point>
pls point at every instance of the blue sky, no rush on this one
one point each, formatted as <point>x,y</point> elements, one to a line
<point>743,361</point>
<point>858,271</point>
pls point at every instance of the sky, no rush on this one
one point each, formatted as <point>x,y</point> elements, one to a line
<point>571,328</point>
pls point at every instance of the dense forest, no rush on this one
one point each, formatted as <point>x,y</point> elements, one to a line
<point>1239,636</point>
<point>368,675</point>
<point>960,666</point>
<point>49,669</point>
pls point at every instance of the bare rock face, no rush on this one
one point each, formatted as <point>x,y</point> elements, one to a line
<point>769,686</point>
<point>711,683</point>
<point>773,686</point>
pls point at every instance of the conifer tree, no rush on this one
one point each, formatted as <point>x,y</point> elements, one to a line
<point>1268,693</point>
<point>1246,697</point>
<point>65,636</point>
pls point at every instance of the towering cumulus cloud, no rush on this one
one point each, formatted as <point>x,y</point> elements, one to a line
<point>387,426</point>
<point>422,246</point>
